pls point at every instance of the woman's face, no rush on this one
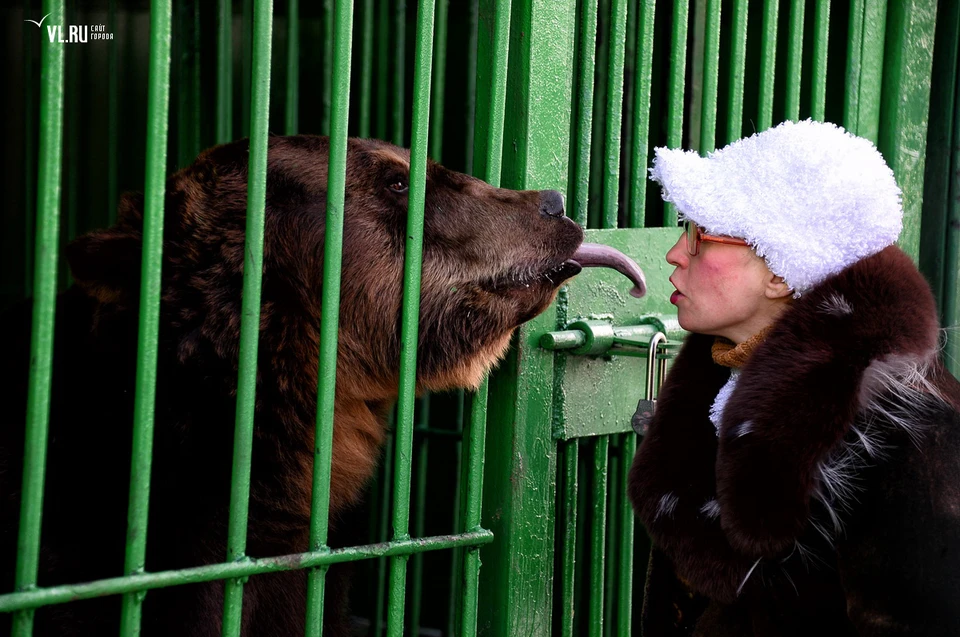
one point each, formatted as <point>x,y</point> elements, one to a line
<point>724,291</point>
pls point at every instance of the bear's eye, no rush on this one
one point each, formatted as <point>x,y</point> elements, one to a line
<point>398,186</point>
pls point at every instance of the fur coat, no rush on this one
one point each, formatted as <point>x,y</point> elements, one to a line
<point>828,503</point>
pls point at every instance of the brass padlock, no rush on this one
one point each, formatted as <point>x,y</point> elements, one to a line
<point>655,371</point>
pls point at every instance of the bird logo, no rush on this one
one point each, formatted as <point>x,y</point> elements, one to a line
<point>41,20</point>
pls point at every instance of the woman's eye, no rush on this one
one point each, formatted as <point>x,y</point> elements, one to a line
<point>398,186</point>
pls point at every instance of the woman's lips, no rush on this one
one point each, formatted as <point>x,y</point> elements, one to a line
<point>675,296</point>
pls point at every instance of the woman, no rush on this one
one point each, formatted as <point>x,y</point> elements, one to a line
<point>801,475</point>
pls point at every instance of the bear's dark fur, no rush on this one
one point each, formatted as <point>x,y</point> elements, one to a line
<point>492,259</point>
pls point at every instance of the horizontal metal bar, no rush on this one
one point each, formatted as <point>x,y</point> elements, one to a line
<point>597,338</point>
<point>251,566</point>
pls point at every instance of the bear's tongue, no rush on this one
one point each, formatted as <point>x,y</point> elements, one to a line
<point>591,255</point>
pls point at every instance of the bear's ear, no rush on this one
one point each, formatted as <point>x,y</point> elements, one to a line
<point>106,263</point>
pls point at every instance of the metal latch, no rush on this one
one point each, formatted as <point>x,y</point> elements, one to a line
<point>599,337</point>
<point>656,370</point>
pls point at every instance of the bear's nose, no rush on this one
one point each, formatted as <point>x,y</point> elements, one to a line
<point>551,203</point>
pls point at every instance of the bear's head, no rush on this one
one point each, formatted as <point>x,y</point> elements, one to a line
<point>492,259</point>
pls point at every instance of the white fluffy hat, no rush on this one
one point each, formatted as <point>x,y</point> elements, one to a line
<point>809,197</point>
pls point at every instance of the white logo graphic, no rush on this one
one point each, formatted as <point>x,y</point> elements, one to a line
<point>41,20</point>
<point>74,33</point>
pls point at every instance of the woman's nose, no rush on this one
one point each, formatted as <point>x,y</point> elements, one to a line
<point>677,255</point>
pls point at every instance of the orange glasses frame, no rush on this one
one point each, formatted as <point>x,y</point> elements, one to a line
<point>693,247</point>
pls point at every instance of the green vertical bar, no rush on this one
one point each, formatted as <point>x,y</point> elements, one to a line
<point>711,73</point>
<point>225,71</point>
<point>327,88</point>
<point>951,264</point>
<point>474,481</point>
<point>158,101</point>
<point>821,40</point>
<point>516,591</point>
<point>366,69</point>
<point>629,118</point>
<point>641,113</point>
<point>612,547</point>
<point>439,82</point>
<point>601,450</point>
<point>492,65</point>
<point>383,68</point>
<point>382,536</point>
<point>568,508</point>
<point>399,70</point>
<point>44,306</point>
<point>941,221</point>
<point>865,69</point>
<point>901,123</point>
<point>420,504</point>
<point>618,41</point>
<point>493,47</point>
<point>598,116</point>
<point>250,310</point>
<point>794,60</point>
<point>768,64</point>
<point>454,605</point>
<point>292,110</point>
<point>341,47</point>
<point>625,560</point>
<point>582,531</point>
<point>584,123</point>
<point>854,62</point>
<point>423,63</point>
<point>938,171</point>
<point>678,65</point>
<point>738,64</point>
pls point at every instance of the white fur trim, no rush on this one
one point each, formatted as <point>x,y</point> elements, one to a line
<point>809,197</point>
<point>895,393</point>
<point>716,409</point>
<point>668,502</point>
<point>711,509</point>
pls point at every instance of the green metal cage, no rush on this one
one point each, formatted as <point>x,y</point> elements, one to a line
<point>528,474</point>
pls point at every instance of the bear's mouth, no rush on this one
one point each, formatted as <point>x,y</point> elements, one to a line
<point>588,255</point>
<point>530,276</point>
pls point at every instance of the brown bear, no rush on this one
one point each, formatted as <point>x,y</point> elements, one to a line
<point>492,259</point>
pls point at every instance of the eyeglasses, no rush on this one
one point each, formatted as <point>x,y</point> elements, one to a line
<point>695,236</point>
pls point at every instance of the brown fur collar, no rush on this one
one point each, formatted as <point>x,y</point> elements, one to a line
<point>799,414</point>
